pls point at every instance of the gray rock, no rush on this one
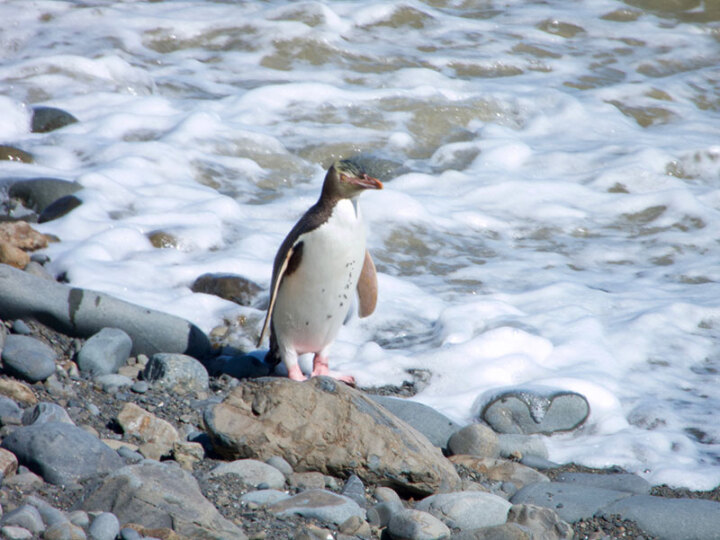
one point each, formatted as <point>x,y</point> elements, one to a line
<point>670,519</point>
<point>514,445</point>
<point>50,514</point>
<point>228,286</point>
<point>325,426</point>
<point>381,513</point>
<point>45,119</point>
<point>11,532</point>
<point>61,453</point>
<point>475,440</point>
<point>264,497</point>
<point>280,464</point>
<point>501,476</point>
<point>104,527</point>
<point>251,472</point>
<point>539,463</point>
<point>64,531</point>
<point>10,411</point>
<point>113,382</point>
<point>59,208</point>
<point>26,516</point>
<point>39,193</point>
<point>416,525</point>
<point>535,410</point>
<point>435,426</point>
<point>355,490</point>
<point>572,502</point>
<point>130,534</point>
<point>129,455</point>
<point>176,372</point>
<point>82,313</point>
<point>157,495</point>
<point>27,358</point>
<point>105,352</point>
<point>318,504</point>
<point>619,482</point>
<point>506,531</point>
<point>542,522</point>
<point>140,387</point>
<point>21,327</point>
<point>466,509</point>
<point>45,412</point>
<point>79,518</point>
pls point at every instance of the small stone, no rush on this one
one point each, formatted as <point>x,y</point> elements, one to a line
<point>10,412</point>
<point>45,412</point>
<point>355,490</point>
<point>237,289</point>
<point>59,208</point>
<point>17,391</point>
<point>64,531</point>
<point>188,453</point>
<point>543,522</point>
<point>264,497</point>
<point>381,514</point>
<point>355,526</point>
<point>112,383</point>
<point>10,153</point>
<point>25,516</point>
<point>177,372</point>
<point>386,494</point>
<point>11,532</point>
<point>150,429</point>
<point>466,509</point>
<point>25,481</point>
<point>79,518</point>
<point>280,464</point>
<point>416,525</point>
<point>28,358</point>
<point>307,480</point>
<point>129,455</point>
<point>20,327</point>
<point>163,240</point>
<point>45,119</point>
<point>13,256</point>
<point>8,464</point>
<point>252,473</point>
<point>518,446</point>
<point>319,504</point>
<point>104,527</point>
<point>104,352</point>
<point>21,235</point>
<point>50,514</point>
<point>140,387</point>
<point>475,440</point>
<point>38,193</point>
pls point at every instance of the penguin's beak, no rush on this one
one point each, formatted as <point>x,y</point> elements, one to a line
<point>366,182</point>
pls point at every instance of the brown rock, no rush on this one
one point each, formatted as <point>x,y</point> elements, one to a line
<point>307,480</point>
<point>10,153</point>
<point>543,522</point>
<point>500,470</point>
<point>187,453</point>
<point>228,286</point>
<point>8,463</point>
<point>13,256</point>
<point>161,533</point>
<point>325,426</point>
<point>157,434</point>
<point>21,235</point>
<point>18,391</point>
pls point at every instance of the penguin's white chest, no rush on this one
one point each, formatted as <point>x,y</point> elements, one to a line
<point>314,299</point>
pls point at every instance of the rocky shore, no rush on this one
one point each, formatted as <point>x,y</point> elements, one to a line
<point>122,422</point>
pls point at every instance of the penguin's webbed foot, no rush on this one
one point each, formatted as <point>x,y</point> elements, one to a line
<point>295,374</point>
<point>320,367</point>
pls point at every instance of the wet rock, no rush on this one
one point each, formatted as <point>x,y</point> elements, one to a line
<point>228,286</point>
<point>466,509</point>
<point>542,522</point>
<point>572,502</point>
<point>252,473</point>
<point>521,446</point>
<point>10,153</point>
<point>61,453</point>
<point>176,372</point>
<point>59,208</point>
<point>318,504</point>
<point>535,410</point>
<point>21,235</point>
<point>157,434</point>
<point>45,412</point>
<point>39,193</point>
<point>104,527</point>
<point>13,256</point>
<point>28,358</point>
<point>676,519</point>
<point>17,391</point>
<point>475,440</point>
<point>45,119</point>
<point>322,425</point>
<point>435,426</point>
<point>104,352</point>
<point>82,313</point>
<point>619,482</point>
<point>163,240</point>
<point>25,516</point>
<point>158,495</point>
<point>500,470</point>
<point>416,525</point>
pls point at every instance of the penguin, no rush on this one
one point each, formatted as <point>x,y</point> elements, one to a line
<point>318,268</point>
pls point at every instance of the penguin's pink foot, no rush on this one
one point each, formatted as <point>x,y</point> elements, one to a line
<point>295,374</point>
<point>320,367</point>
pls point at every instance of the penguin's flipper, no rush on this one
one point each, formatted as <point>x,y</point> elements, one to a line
<point>367,287</point>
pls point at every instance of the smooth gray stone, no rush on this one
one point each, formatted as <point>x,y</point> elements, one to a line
<point>130,534</point>
<point>437,427</point>
<point>61,453</point>
<point>82,313</point>
<point>619,482</point>
<point>20,327</point>
<point>264,497</point>
<point>59,208</point>
<point>513,444</point>
<point>319,504</point>
<point>26,516</point>
<point>572,502</point>
<point>79,518</point>
<point>45,119</point>
<point>535,409</point>
<point>27,358</point>
<point>104,527</point>
<point>251,472</point>
<point>466,509</point>
<point>416,525</point>
<point>50,514</point>
<point>475,440</point>
<point>131,456</point>
<point>281,464</point>
<point>355,490</point>
<point>45,412</point>
<point>39,193</point>
<point>10,412</point>
<point>539,463</point>
<point>381,513</point>
<point>113,382</point>
<point>177,372</point>
<point>105,352</point>
<point>140,387</point>
<point>670,519</point>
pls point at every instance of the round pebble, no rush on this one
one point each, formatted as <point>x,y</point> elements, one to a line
<point>28,358</point>
<point>104,527</point>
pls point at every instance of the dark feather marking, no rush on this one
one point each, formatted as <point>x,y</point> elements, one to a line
<point>295,259</point>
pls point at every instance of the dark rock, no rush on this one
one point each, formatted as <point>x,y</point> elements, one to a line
<point>535,410</point>
<point>45,119</point>
<point>28,358</point>
<point>105,352</point>
<point>435,426</point>
<point>228,286</point>
<point>82,313</point>
<point>176,372</point>
<point>61,453</point>
<point>10,153</point>
<point>323,425</point>
<point>246,366</point>
<point>39,193</point>
<point>159,495</point>
<point>59,208</point>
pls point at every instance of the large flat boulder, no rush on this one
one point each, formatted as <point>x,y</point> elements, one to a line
<point>326,426</point>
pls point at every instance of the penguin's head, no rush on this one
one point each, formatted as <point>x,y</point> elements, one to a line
<point>345,179</point>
